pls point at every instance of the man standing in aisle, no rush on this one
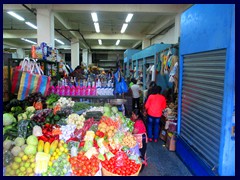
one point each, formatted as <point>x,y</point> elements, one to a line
<point>135,89</point>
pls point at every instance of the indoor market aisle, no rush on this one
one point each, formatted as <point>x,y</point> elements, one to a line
<point>162,162</point>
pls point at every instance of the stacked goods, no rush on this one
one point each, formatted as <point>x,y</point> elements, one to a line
<point>129,140</point>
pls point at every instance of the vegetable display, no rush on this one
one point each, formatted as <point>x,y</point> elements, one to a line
<point>48,136</point>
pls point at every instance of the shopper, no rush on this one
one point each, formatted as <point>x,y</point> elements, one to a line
<point>135,89</point>
<point>154,106</point>
<point>147,94</point>
<point>139,132</point>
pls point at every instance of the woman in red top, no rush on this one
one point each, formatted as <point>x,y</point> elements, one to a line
<point>140,133</point>
<point>154,106</point>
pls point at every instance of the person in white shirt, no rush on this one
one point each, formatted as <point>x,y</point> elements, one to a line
<point>135,89</point>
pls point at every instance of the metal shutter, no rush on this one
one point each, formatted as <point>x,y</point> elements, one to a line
<point>202,98</point>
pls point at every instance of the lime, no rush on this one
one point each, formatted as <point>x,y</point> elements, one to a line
<point>15,166</point>
<point>17,159</point>
<point>21,154</point>
<point>33,165</point>
<point>22,169</point>
<point>12,173</point>
<point>27,165</point>
<point>29,170</point>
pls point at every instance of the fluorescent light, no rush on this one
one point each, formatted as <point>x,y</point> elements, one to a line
<point>96,25</point>
<point>59,41</point>
<point>117,43</point>
<point>124,27</point>
<point>100,42</point>
<point>31,25</point>
<point>28,41</point>
<point>129,17</point>
<point>16,15</point>
<point>94,17</point>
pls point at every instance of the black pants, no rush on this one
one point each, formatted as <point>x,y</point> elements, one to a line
<point>135,101</point>
<point>143,150</point>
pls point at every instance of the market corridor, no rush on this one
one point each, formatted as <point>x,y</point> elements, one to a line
<point>162,162</point>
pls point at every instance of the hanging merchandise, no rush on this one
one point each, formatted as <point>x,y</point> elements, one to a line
<point>173,76</point>
<point>120,84</point>
<point>30,82</point>
<point>158,69</point>
<point>164,62</point>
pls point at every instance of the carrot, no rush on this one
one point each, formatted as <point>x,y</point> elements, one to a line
<point>56,109</point>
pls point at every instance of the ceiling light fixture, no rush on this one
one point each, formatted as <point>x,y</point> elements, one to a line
<point>129,17</point>
<point>100,42</point>
<point>94,17</point>
<point>117,43</point>
<point>16,15</point>
<point>59,41</point>
<point>28,41</point>
<point>97,28</point>
<point>124,27</point>
<point>31,25</point>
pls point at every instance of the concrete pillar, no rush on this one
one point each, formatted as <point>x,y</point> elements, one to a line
<point>89,58</point>
<point>20,53</point>
<point>85,56</point>
<point>177,27</point>
<point>45,24</point>
<point>145,43</point>
<point>75,53</point>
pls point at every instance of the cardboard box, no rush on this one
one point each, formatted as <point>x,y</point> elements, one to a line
<point>171,141</point>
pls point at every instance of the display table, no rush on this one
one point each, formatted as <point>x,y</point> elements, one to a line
<point>92,99</point>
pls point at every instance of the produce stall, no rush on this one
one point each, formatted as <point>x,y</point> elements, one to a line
<point>56,136</point>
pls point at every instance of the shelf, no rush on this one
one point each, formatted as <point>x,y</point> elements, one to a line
<point>92,97</point>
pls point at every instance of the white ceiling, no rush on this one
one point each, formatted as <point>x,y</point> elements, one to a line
<point>148,20</point>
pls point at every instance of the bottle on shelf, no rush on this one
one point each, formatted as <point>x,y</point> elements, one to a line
<point>57,89</point>
<point>67,88</point>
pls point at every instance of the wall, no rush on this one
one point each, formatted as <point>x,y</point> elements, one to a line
<point>207,27</point>
<point>167,38</point>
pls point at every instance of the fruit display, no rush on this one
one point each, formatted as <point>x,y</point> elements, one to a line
<point>49,138</point>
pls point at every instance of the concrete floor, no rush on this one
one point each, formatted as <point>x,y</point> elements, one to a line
<point>162,162</point>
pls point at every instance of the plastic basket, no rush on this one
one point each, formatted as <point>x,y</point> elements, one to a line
<point>107,173</point>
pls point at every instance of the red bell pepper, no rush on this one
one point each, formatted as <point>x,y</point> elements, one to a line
<point>44,138</point>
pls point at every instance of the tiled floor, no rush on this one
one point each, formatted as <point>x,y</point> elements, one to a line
<point>162,162</point>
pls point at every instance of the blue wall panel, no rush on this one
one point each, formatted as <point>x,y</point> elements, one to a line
<point>207,27</point>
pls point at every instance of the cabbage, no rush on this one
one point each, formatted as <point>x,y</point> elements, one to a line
<point>8,119</point>
<point>108,114</point>
<point>30,150</point>
<point>32,140</point>
<point>114,109</point>
<point>16,150</point>
<point>19,141</point>
<point>106,109</point>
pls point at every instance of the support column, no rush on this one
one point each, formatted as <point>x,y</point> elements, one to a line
<point>20,53</point>
<point>177,28</point>
<point>75,53</point>
<point>45,24</point>
<point>145,43</point>
<point>85,57</point>
<point>89,58</point>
